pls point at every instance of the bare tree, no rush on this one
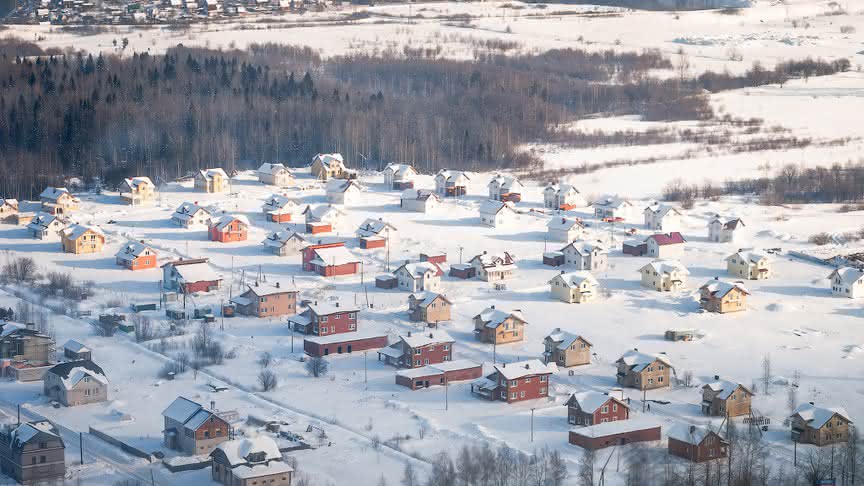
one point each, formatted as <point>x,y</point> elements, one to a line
<point>265,359</point>
<point>104,328</point>
<point>688,378</point>
<point>143,328</point>
<point>586,467</point>
<point>268,380</point>
<point>767,374</point>
<point>409,476</point>
<point>317,367</point>
<point>791,399</point>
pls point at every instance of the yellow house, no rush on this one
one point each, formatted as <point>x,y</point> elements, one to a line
<point>137,190</point>
<point>58,200</point>
<point>80,239</point>
<point>212,180</point>
<point>574,287</point>
<point>329,166</point>
<point>750,265</point>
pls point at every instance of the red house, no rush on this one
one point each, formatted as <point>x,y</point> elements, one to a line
<point>325,319</point>
<point>136,256</point>
<point>516,382</point>
<point>343,343</point>
<point>696,443</point>
<point>615,433</point>
<point>228,229</point>
<point>438,257</point>
<point>419,349</point>
<point>190,276</point>
<point>592,408</point>
<point>440,374</point>
<point>330,260</point>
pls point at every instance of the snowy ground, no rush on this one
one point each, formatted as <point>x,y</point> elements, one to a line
<point>791,317</point>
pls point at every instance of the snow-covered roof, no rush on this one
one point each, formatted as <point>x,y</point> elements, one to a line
<point>440,368</point>
<point>520,369</point>
<point>133,249</point>
<point>209,173</point>
<point>76,347</point>
<point>181,410</point>
<point>616,427</point>
<point>222,222</point>
<point>7,328</point>
<point>263,289</point>
<point>575,280</point>
<point>585,248</point>
<point>237,451</point>
<point>72,372</point>
<point>690,434</point>
<point>816,417</point>
<point>42,221</point>
<point>251,471</point>
<point>614,202</point>
<point>505,183</point>
<point>447,174</point>
<point>494,207</point>
<point>269,169</point>
<point>663,239</point>
<point>637,361</point>
<point>327,308</point>
<point>563,224</point>
<point>26,431</point>
<point>374,227</point>
<point>340,185</point>
<point>590,401</point>
<point>328,159</point>
<point>564,339</point>
<point>400,170</point>
<point>719,288</point>
<point>662,210</point>
<point>75,231</point>
<point>420,339</point>
<point>336,255</point>
<point>495,317</point>
<point>344,337</point>
<point>490,260</point>
<point>426,298</point>
<point>751,256</point>
<point>279,238</point>
<point>54,193</point>
<point>419,194</point>
<point>10,202</point>
<point>196,272</point>
<point>666,266</point>
<point>728,223</point>
<point>186,210</point>
<point>724,388</point>
<point>320,212</point>
<point>417,270</point>
<point>560,188</point>
<point>848,275</point>
<point>277,202</point>
<point>136,182</point>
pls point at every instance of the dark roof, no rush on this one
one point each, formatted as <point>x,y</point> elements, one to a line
<point>63,369</point>
<point>668,239</point>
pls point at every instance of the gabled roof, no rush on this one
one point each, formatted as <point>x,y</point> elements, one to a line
<point>591,401</point>
<point>691,434</point>
<point>208,174</point>
<point>237,451</point>
<point>187,210</point>
<point>10,202</point>
<point>724,388</point>
<point>319,212</point>
<point>817,417</point>
<point>448,174</point>
<point>426,298</point>
<point>328,159</point>
<point>374,227</point>
<point>278,201</point>
<point>614,202</point>
<point>222,222</point>
<point>263,289</point>
<point>420,339</point>
<point>666,266</point>
<point>561,188</point>
<point>54,193</point>
<point>42,221</point>
<point>328,308</point>
<point>575,280</point>
<point>563,224</point>
<point>585,248</point>
<point>494,207</point>
<point>751,256</point>
<point>662,210</point>
<point>521,369</point>
<point>28,431</point>
<point>75,231</point>
<point>564,338</point>
<point>76,347</point>
<point>490,260</point>
<point>505,183</point>
<point>419,194</point>
<point>673,238</point>
<point>195,271</point>
<point>136,182</point>
<point>71,372</point>
<point>728,223</point>
<point>637,361</point>
<point>269,169</point>
<point>335,255</point>
<point>718,288</point>
<point>848,275</point>
<point>188,413</point>
<point>340,185</point>
<point>133,249</point>
<point>493,317</point>
<point>279,238</point>
<point>400,170</point>
<point>417,270</point>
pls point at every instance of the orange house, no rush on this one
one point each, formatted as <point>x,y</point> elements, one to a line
<point>137,256</point>
<point>228,229</point>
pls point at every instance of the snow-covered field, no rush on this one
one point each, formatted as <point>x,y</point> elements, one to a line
<point>792,317</point>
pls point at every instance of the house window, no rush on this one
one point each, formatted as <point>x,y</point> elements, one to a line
<point>604,409</point>
<point>614,407</point>
<point>528,380</point>
<point>513,396</point>
<point>543,391</point>
<point>514,383</point>
<point>418,351</point>
<point>543,378</point>
<point>522,394</point>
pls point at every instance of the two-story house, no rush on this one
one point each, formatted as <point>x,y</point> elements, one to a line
<point>612,208</point>
<point>505,188</point>
<point>574,287</point>
<point>193,429</point>
<point>643,371</point>
<point>497,214</point>
<point>33,453</point>
<point>591,256</point>
<point>419,277</point>
<point>696,443</point>
<point>665,245</point>
<point>847,282</point>
<point>564,229</point>
<point>212,180</point>
<point>592,408</point>
<point>325,318</point>
<point>136,255</point>
<point>723,297</point>
<point>495,326</point>
<point>58,200</point>
<point>79,239</point>
<point>566,349</point>
<point>283,242</point>
<point>429,307</point>
<point>228,229</point>
<point>342,191</point>
<point>45,226</point>
<point>279,208</point>
<point>76,383</point>
<point>137,190</point>
<point>724,230</point>
<point>515,382</point>
<point>25,352</point>
<point>563,196</point>
<point>398,177</point>
<point>662,217</point>
<point>265,300</point>
<point>8,209</point>
<point>451,183</point>
<point>664,275</point>
<point>275,175</point>
<point>493,267</point>
<point>419,200</point>
<point>329,166</point>
<point>190,276</point>
<point>250,461</point>
<point>418,349</point>
<point>750,265</point>
<point>820,426</point>
<point>722,398</point>
<point>191,216</point>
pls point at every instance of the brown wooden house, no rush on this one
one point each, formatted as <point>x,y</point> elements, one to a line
<point>723,297</point>
<point>592,408</point>
<point>643,371</point>
<point>429,307</point>
<point>723,398</point>
<point>264,300</point>
<point>820,426</point>
<point>495,326</point>
<point>696,443</point>
<point>193,429</point>
<point>566,349</point>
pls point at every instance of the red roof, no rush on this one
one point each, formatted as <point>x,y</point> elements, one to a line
<point>674,238</point>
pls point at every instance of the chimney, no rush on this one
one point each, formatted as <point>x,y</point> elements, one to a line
<point>315,303</point>
<point>213,405</point>
<point>484,252</point>
<point>503,365</point>
<point>527,366</point>
<point>692,429</point>
<point>716,377</point>
<point>716,278</point>
<point>562,272</point>
<point>256,283</point>
<point>409,333</point>
<point>635,349</point>
<point>407,262</point>
<point>337,304</point>
<point>431,336</point>
<point>492,306</point>
<point>277,285</point>
<point>811,403</point>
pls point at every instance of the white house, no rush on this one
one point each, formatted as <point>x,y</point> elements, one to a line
<point>564,229</point>
<point>279,208</point>
<point>323,214</point>
<point>494,267</point>
<point>563,196</point>
<point>342,191</point>
<point>46,227</point>
<point>399,176</point>
<point>586,255</point>
<point>749,264</point>
<point>662,217</point>
<point>419,277</point>
<point>505,188</point>
<point>612,207</point>
<point>275,175</point>
<point>722,230</point>
<point>190,215</point>
<point>664,275</point>
<point>665,245</point>
<point>497,213</point>
<point>284,243</point>
<point>574,287</point>
<point>847,282</point>
<point>419,200</point>
<point>377,227</point>
<point>451,183</point>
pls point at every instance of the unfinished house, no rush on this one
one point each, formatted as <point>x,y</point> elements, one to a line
<point>566,349</point>
<point>722,398</point>
<point>643,371</point>
<point>495,326</point>
<point>25,352</point>
<point>137,191</point>
<point>76,383</point>
<point>193,429</point>
<point>429,307</point>
<point>749,265</point>
<point>33,453</point>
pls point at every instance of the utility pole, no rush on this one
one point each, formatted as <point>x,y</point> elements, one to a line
<point>292,341</point>
<point>446,398</point>
<point>19,414</point>
<point>222,312</point>
<point>494,348</point>
<point>460,254</point>
<point>644,398</point>
<point>81,445</point>
<point>365,375</point>
<point>532,425</point>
